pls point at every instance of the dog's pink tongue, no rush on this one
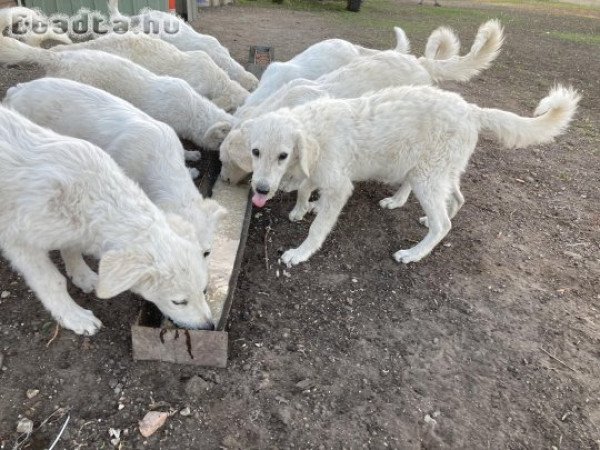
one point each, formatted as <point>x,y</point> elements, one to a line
<point>259,200</point>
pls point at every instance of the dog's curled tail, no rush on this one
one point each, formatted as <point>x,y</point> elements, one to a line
<point>15,52</point>
<point>442,44</point>
<point>551,118</point>
<point>402,42</point>
<point>484,50</point>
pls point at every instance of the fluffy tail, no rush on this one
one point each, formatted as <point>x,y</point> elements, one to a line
<point>442,44</point>
<point>461,68</point>
<point>15,52</point>
<point>551,118</point>
<point>402,43</point>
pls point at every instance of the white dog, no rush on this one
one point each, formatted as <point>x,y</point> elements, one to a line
<point>175,31</point>
<point>326,56</point>
<point>422,136</point>
<point>147,150</point>
<point>367,74</point>
<point>167,99</point>
<point>32,26</point>
<point>162,58</point>
<point>64,193</point>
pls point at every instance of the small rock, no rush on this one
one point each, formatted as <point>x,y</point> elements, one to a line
<point>197,385</point>
<point>573,255</point>
<point>430,420</point>
<point>120,406</point>
<point>24,426</point>
<point>5,294</point>
<point>151,422</point>
<point>284,414</point>
<point>32,393</point>
<point>305,384</point>
<point>115,436</point>
<point>185,412</point>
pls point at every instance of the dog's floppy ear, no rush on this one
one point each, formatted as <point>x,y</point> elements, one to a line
<point>215,135</point>
<point>235,149</point>
<point>181,226</point>
<point>308,151</point>
<point>120,270</point>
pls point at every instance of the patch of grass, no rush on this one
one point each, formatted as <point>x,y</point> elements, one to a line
<point>578,38</point>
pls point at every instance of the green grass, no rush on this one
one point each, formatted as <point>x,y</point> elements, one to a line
<point>578,38</point>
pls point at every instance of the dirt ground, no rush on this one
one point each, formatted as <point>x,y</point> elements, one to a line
<point>491,342</point>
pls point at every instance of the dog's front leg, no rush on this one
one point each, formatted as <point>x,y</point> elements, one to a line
<point>302,201</point>
<point>82,276</point>
<point>51,288</point>
<point>331,202</point>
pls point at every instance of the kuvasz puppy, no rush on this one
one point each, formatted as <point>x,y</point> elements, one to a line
<point>61,193</point>
<point>176,31</point>
<point>170,100</point>
<point>162,58</point>
<point>147,150</point>
<point>421,135</point>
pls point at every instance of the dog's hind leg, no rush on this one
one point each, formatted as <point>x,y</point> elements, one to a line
<point>331,202</point>
<point>455,202</point>
<point>51,288</point>
<point>398,199</point>
<point>82,276</point>
<point>432,196</point>
<point>303,205</point>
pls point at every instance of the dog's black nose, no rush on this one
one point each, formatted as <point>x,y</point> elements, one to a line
<point>263,190</point>
<point>212,326</point>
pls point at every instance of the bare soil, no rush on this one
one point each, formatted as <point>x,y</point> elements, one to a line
<point>493,341</point>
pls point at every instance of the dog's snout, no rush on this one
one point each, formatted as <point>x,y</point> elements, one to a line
<point>262,188</point>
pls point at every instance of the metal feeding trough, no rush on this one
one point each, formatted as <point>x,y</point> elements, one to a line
<point>260,57</point>
<point>151,338</point>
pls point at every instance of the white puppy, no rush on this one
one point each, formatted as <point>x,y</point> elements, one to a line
<point>419,135</point>
<point>64,193</point>
<point>147,150</point>
<point>367,74</point>
<point>32,26</point>
<point>162,58</point>
<point>167,99</point>
<point>177,32</point>
<point>327,56</point>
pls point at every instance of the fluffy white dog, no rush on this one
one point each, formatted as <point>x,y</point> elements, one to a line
<point>64,193</point>
<point>367,74</point>
<point>26,19</point>
<point>162,58</point>
<point>177,32</point>
<point>147,150</point>
<point>167,99</point>
<point>421,136</point>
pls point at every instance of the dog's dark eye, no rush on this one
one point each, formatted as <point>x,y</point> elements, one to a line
<point>205,291</point>
<point>179,302</point>
<point>206,253</point>
<point>256,152</point>
<point>282,156</point>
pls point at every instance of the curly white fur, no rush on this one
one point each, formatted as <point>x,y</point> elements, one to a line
<point>162,58</point>
<point>61,193</point>
<point>147,150</point>
<point>170,100</point>
<point>188,39</point>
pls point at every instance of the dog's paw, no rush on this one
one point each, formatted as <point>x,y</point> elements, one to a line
<point>80,321</point>
<point>407,256</point>
<point>294,257</point>
<point>424,221</point>
<point>297,214</point>
<point>194,173</point>
<point>390,203</point>
<point>85,281</point>
<point>193,155</point>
